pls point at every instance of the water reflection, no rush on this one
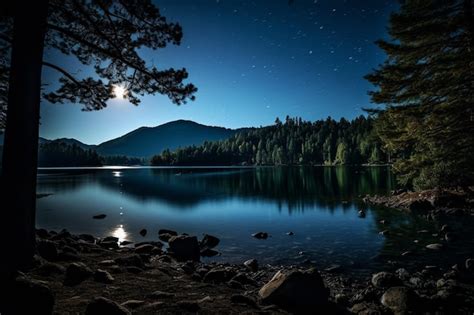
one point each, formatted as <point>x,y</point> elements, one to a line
<point>120,233</point>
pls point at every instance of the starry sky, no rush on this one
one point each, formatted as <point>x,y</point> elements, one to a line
<point>251,61</point>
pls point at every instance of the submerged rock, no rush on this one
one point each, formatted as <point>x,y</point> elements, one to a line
<point>295,290</point>
<point>99,216</point>
<point>101,306</point>
<point>184,247</point>
<point>260,235</point>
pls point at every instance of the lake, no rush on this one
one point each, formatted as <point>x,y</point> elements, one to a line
<point>320,205</point>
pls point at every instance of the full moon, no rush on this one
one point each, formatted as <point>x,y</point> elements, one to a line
<point>120,92</point>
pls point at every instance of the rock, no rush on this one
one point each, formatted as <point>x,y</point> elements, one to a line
<point>133,304</point>
<point>384,222</point>
<point>161,295</point>
<point>290,233</point>
<point>190,306</point>
<point>341,299</point>
<point>130,260</point>
<point>125,243</point>
<point>242,278</point>
<point>295,290</point>
<point>361,214</point>
<point>333,268</point>
<point>209,252</point>
<point>407,253</point>
<point>144,249</point>
<point>450,237</point>
<point>143,232</point>
<point>165,231</point>
<point>133,269</point>
<point>242,299</point>
<point>251,264</point>
<point>384,232</point>
<point>47,250</point>
<point>109,245</point>
<point>366,308</point>
<point>445,228</point>
<point>402,273</point>
<point>157,244</point>
<point>48,269</point>
<point>420,205</point>
<point>87,237</point>
<point>385,279</point>
<point>42,233</point>
<point>218,275</point>
<point>103,276</point>
<point>184,247</point>
<point>435,246</point>
<point>110,239</point>
<point>101,306</point>
<point>99,216</point>
<point>208,242</point>
<point>108,262</point>
<point>400,299</point>
<point>260,235</point>
<point>27,294</point>
<point>76,273</point>
<point>469,264</point>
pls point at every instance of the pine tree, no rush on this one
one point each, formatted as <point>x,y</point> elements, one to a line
<point>427,85</point>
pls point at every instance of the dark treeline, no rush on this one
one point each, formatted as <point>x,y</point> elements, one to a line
<point>293,142</point>
<point>60,154</point>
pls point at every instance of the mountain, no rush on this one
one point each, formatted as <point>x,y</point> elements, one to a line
<point>69,141</point>
<point>148,141</point>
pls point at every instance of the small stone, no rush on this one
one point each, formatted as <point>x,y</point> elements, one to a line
<point>402,273</point>
<point>76,273</point>
<point>290,233</point>
<point>103,276</point>
<point>333,268</point>
<point>242,299</point>
<point>99,216</point>
<point>101,306</point>
<point>209,252</point>
<point>133,304</point>
<point>143,232</point>
<point>435,246</point>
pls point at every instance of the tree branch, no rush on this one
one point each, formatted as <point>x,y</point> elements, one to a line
<point>62,71</point>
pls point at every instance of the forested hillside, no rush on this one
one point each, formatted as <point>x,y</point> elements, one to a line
<point>293,142</point>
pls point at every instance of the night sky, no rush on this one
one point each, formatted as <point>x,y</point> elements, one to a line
<point>251,61</point>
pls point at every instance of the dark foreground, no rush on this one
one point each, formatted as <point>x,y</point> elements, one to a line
<point>77,274</point>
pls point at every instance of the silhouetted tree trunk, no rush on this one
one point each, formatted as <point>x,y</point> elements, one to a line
<point>20,152</point>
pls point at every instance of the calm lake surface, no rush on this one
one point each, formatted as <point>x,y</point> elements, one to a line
<point>319,204</point>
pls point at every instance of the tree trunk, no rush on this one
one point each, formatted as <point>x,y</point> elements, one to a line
<point>20,152</point>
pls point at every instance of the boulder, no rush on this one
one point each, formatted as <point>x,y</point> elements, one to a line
<point>260,235</point>
<point>76,273</point>
<point>47,249</point>
<point>184,247</point>
<point>400,299</point>
<point>295,290</point>
<point>27,294</point>
<point>385,279</point>
<point>101,306</point>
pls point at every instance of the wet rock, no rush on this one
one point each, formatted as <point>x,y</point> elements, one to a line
<point>49,268</point>
<point>87,237</point>
<point>130,260</point>
<point>295,290</point>
<point>209,252</point>
<point>99,216</point>
<point>361,214</point>
<point>251,264</point>
<point>400,299</point>
<point>469,264</point>
<point>385,279</point>
<point>161,295</point>
<point>143,232</point>
<point>435,246</point>
<point>42,233</point>
<point>243,299</point>
<point>333,268</point>
<point>260,235</point>
<point>402,273</point>
<point>208,242</point>
<point>165,231</point>
<point>47,250</point>
<point>184,247</point>
<point>133,304</point>
<point>144,249</point>
<point>76,273</point>
<point>290,233</point>
<point>101,306</point>
<point>103,276</point>
<point>110,239</point>
<point>219,275</point>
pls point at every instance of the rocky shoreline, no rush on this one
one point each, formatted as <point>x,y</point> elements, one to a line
<point>81,274</point>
